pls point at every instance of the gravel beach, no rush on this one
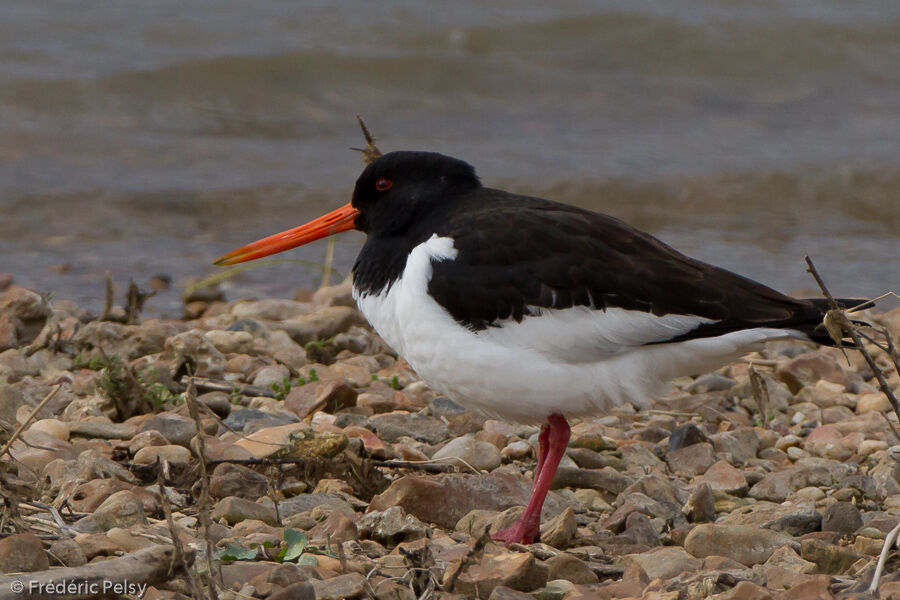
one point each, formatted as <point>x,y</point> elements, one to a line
<point>286,435</point>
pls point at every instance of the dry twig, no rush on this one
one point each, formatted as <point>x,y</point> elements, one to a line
<point>839,319</point>
<point>371,151</point>
<point>203,504</point>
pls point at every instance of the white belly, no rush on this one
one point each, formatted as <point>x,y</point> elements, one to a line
<point>574,362</point>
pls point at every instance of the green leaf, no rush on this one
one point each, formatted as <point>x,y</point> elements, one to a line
<point>235,552</point>
<point>308,559</point>
<point>295,543</point>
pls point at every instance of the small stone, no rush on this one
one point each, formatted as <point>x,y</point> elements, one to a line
<point>68,551</point>
<point>390,427</point>
<point>175,428</point>
<point>559,532</point>
<point>842,517</point>
<point>566,566</point>
<point>876,402</point>
<point>52,427</point>
<point>231,342</point>
<point>22,553</point>
<point>468,451</point>
<point>827,441</point>
<point>810,368</point>
<point>829,558</point>
<point>237,480</point>
<point>325,323</point>
<point>686,435</point>
<point>519,571</point>
<point>788,441</point>
<point>218,402</point>
<point>391,527</point>
<point>271,375</point>
<point>662,563</point>
<point>722,477</point>
<point>692,460</point>
<point>337,528</point>
<point>746,545</point>
<point>300,590</point>
<point>516,450</point>
<point>741,444</point>
<point>351,585</point>
<point>152,454</point>
<point>867,447</point>
<point>121,509</point>
<point>700,507</point>
<point>233,509</point>
<point>329,396</point>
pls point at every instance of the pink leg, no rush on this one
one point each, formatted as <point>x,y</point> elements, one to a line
<point>528,528</point>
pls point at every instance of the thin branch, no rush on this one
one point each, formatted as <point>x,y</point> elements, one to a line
<point>25,423</point>
<point>846,325</point>
<point>203,505</point>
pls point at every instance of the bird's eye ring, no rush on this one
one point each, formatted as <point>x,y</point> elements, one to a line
<point>383,185</point>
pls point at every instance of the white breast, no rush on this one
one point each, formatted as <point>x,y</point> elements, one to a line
<point>575,362</point>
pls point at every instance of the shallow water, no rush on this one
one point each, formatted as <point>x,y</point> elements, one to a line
<point>148,138</point>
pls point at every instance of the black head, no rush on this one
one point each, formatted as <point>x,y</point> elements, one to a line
<point>401,187</point>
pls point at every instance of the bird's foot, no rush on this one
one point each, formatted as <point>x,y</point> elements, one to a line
<point>521,532</point>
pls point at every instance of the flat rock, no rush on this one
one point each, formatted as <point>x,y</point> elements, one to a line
<point>722,477</point>
<point>22,553</point>
<point>103,429</point>
<point>746,545</point>
<point>121,509</point>
<point>570,568</point>
<point>234,510</point>
<point>390,427</point>
<point>516,570</point>
<point>351,585</point>
<point>662,563</point>
<point>175,428</point>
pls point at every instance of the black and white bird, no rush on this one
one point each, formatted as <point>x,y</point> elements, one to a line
<point>534,311</point>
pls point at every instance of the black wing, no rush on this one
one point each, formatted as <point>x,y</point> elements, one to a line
<point>516,252</point>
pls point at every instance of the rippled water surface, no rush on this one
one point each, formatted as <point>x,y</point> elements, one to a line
<point>147,138</point>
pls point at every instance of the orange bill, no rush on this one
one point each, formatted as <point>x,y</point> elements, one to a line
<point>336,221</point>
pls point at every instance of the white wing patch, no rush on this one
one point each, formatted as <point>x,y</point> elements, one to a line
<point>580,334</point>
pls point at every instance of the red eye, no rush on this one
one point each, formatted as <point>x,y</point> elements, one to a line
<point>383,185</point>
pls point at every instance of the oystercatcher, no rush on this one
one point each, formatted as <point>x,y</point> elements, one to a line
<point>534,311</point>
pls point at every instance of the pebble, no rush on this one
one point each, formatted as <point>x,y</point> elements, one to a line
<point>842,517</point>
<point>22,553</point>
<point>151,454</point>
<point>52,427</point>
<point>467,451</point>
<point>746,545</point>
